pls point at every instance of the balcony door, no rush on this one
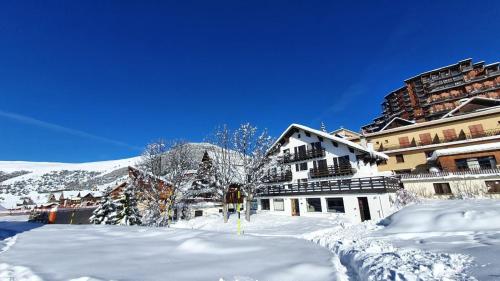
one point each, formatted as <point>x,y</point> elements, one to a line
<point>300,151</point>
<point>364,209</point>
<point>320,165</point>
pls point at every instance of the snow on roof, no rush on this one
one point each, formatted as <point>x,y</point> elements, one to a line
<point>330,137</point>
<point>400,119</point>
<point>449,114</point>
<point>465,149</point>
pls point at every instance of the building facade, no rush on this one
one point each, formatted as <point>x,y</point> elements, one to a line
<point>408,144</point>
<point>432,94</point>
<point>319,174</point>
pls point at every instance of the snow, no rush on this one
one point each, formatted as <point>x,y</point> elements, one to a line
<point>466,149</point>
<point>433,240</point>
<point>141,253</point>
<point>39,168</point>
<point>467,227</point>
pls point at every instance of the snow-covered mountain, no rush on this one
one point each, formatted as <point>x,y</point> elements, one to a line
<point>21,178</point>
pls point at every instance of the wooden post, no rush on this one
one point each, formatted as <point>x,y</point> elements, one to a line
<point>239,216</point>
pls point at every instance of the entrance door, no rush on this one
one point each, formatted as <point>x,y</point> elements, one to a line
<point>364,209</point>
<point>295,207</point>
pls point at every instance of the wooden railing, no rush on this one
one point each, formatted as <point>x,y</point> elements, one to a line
<point>331,171</point>
<point>308,154</point>
<point>486,133</point>
<point>492,171</point>
<point>279,177</point>
<point>352,185</point>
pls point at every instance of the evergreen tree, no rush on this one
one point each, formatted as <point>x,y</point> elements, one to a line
<point>105,212</point>
<point>205,182</point>
<point>127,211</point>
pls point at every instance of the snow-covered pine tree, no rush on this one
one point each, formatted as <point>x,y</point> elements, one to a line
<point>127,212</point>
<point>205,182</point>
<point>105,212</point>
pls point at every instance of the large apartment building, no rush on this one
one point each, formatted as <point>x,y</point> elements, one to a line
<point>320,174</point>
<point>430,95</point>
<point>452,156</point>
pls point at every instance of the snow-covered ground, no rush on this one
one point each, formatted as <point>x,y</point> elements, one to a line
<point>72,252</point>
<point>434,240</point>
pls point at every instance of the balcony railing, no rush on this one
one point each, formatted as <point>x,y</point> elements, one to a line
<point>331,171</point>
<point>279,177</point>
<point>460,137</point>
<point>353,185</point>
<point>492,171</point>
<point>308,154</point>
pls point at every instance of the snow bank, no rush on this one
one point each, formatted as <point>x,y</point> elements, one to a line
<point>368,258</point>
<point>446,216</point>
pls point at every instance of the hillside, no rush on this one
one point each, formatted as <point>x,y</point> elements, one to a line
<point>22,178</point>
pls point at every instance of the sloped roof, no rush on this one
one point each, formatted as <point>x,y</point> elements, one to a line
<point>330,137</point>
<point>398,119</point>
<point>485,101</point>
<point>465,149</point>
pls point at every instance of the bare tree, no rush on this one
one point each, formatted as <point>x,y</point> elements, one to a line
<point>164,168</point>
<point>251,148</point>
<point>225,165</point>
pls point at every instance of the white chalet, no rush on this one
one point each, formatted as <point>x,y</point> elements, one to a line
<point>321,174</point>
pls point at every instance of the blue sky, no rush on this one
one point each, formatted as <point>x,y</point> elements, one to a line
<point>96,80</point>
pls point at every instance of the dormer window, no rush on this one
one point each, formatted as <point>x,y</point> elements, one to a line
<point>298,136</point>
<point>320,138</point>
<point>335,144</point>
<point>308,134</point>
<point>351,150</point>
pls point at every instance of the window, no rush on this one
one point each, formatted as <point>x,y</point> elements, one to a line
<point>320,138</point>
<point>487,162</point>
<point>425,138</point>
<point>341,162</point>
<point>286,151</point>
<point>403,171</point>
<point>198,213</point>
<point>279,204</point>
<point>335,205</point>
<point>300,151</point>
<point>313,205</point>
<point>335,144</point>
<point>400,158</point>
<point>461,164</point>
<point>351,150</point>
<point>404,142</point>
<point>476,130</point>
<point>442,188</point>
<point>301,167</point>
<point>298,136</point>
<point>308,134</point>
<point>264,203</point>
<point>316,145</point>
<point>493,186</point>
<point>320,165</point>
<point>383,162</point>
<point>450,134</point>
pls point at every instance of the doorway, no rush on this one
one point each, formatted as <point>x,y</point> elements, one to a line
<point>295,207</point>
<point>364,209</point>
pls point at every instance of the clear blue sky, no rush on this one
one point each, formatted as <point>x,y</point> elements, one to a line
<point>96,80</point>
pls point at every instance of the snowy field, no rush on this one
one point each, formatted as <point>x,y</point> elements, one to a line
<point>435,240</point>
<point>70,252</point>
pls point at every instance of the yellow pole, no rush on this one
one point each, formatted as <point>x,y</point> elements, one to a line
<point>238,210</point>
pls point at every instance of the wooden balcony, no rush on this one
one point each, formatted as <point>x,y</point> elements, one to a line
<point>340,186</point>
<point>440,174</point>
<point>459,137</point>
<point>279,177</point>
<point>331,171</point>
<point>308,154</point>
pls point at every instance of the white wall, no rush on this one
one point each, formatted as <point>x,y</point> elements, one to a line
<point>362,169</point>
<point>379,205</point>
